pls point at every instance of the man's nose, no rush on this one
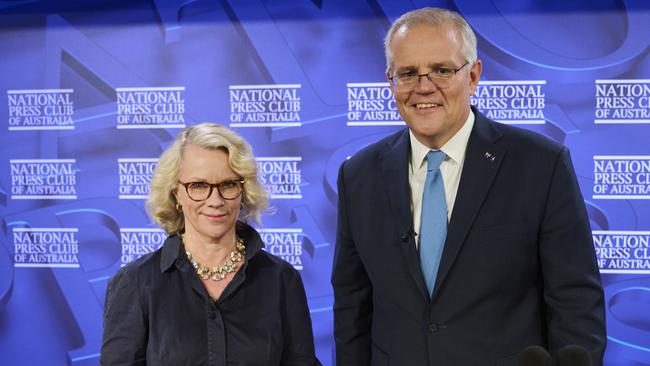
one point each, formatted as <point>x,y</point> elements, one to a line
<point>425,84</point>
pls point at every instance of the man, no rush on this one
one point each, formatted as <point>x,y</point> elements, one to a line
<point>513,266</point>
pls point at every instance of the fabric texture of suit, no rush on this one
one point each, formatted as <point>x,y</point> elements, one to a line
<point>518,266</point>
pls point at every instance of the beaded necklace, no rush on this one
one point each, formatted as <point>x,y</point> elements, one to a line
<point>219,273</point>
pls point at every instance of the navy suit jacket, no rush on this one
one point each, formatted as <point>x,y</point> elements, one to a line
<point>518,266</point>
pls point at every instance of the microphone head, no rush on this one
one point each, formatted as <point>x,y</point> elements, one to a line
<point>534,356</point>
<point>574,355</point>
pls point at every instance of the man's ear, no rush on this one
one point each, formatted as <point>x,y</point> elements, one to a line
<point>475,76</point>
<point>389,82</point>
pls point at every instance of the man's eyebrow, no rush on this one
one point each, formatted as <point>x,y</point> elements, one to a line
<point>445,64</point>
<point>406,69</point>
<point>430,66</point>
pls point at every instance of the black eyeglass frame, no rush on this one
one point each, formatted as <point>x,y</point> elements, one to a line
<point>212,186</point>
<point>430,78</point>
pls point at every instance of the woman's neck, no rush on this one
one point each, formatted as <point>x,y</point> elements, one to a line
<point>209,251</point>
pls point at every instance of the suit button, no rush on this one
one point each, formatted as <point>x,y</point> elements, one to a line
<point>433,327</point>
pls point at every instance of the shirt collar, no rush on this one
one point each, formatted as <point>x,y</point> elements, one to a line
<point>454,148</point>
<point>172,250</point>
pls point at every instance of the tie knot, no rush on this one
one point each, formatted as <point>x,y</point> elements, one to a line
<point>434,158</point>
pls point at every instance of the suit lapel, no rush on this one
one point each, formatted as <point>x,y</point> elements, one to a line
<point>394,166</point>
<point>478,173</point>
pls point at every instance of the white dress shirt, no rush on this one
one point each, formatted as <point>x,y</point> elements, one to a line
<point>450,168</point>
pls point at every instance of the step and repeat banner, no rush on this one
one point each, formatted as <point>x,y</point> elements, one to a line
<point>92,92</point>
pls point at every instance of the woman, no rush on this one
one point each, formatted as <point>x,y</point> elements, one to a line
<point>210,295</point>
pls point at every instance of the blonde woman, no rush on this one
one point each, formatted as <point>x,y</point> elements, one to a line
<point>210,295</point>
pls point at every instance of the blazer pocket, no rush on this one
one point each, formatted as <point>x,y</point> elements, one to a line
<point>504,232</point>
<point>379,357</point>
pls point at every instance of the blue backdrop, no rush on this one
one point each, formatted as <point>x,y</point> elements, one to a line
<point>94,91</point>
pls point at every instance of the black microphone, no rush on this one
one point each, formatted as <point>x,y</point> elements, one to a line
<point>407,235</point>
<point>534,356</point>
<point>574,355</point>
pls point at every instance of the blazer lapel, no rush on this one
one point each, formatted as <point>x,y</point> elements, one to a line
<point>482,161</point>
<point>394,166</point>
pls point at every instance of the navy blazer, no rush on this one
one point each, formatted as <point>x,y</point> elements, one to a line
<point>518,266</point>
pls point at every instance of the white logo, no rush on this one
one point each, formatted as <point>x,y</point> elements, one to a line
<point>135,176</point>
<point>284,243</point>
<point>621,177</point>
<point>265,105</point>
<point>43,179</point>
<point>372,104</point>
<point>162,107</point>
<point>622,252</point>
<point>511,101</point>
<point>622,101</point>
<point>137,242</point>
<point>42,109</point>
<point>281,176</point>
<point>46,247</point>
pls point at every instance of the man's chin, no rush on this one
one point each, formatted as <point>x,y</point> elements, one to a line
<point>424,125</point>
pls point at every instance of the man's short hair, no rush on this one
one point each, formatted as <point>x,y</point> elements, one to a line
<point>434,17</point>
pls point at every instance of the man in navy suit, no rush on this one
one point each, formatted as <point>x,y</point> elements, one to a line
<point>515,265</point>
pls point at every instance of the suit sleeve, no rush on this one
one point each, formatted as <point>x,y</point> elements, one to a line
<point>352,291</point>
<point>125,324</point>
<point>572,287</point>
<point>299,339</point>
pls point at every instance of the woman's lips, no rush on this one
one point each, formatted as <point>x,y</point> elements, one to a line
<point>215,216</point>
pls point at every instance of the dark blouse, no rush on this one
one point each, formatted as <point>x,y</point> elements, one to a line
<point>159,313</point>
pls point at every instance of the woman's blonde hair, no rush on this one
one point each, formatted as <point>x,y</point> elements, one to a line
<point>161,204</point>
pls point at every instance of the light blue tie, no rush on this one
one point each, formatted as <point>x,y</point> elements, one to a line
<point>433,220</point>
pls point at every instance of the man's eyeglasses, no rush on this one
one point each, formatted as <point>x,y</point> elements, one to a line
<point>200,191</point>
<point>440,76</point>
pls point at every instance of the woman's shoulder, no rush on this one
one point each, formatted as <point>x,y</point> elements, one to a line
<point>275,271</point>
<point>261,260</point>
<point>272,262</point>
<point>149,266</point>
<point>138,270</point>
